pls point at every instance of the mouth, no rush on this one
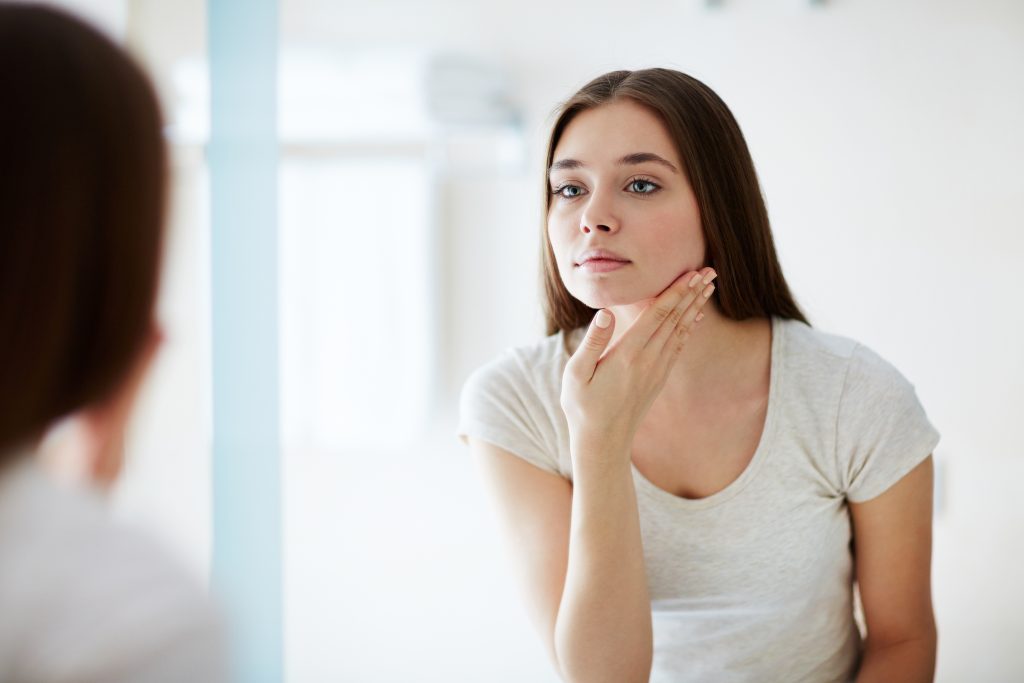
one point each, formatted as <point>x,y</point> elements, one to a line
<point>602,265</point>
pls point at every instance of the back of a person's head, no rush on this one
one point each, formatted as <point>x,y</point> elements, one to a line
<point>82,194</point>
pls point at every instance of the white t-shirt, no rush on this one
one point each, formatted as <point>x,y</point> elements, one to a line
<point>755,582</point>
<point>85,600</point>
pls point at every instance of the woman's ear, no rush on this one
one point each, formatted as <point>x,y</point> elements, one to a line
<point>102,426</point>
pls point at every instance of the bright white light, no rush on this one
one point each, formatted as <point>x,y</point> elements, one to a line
<point>355,301</point>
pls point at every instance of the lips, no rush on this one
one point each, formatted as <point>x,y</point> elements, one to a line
<point>602,265</point>
<point>603,255</point>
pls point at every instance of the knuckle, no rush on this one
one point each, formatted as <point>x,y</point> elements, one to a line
<point>676,316</point>
<point>647,366</point>
<point>661,312</point>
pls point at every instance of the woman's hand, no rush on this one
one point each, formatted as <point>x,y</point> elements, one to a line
<point>605,398</point>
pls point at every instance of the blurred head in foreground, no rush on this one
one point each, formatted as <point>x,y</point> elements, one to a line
<point>83,169</point>
<point>82,193</point>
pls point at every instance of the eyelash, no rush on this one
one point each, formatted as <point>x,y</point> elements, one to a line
<point>557,192</point>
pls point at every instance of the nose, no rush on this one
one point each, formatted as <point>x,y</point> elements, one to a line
<point>598,215</point>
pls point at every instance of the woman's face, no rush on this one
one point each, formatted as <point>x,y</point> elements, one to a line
<point>617,184</point>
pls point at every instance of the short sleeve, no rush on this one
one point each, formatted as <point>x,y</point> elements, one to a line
<point>882,431</point>
<point>499,405</point>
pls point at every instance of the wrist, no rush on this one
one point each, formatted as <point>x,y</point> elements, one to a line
<point>592,449</point>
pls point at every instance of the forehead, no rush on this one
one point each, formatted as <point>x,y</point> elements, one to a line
<point>610,131</point>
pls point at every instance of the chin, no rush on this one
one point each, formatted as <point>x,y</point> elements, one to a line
<point>600,297</point>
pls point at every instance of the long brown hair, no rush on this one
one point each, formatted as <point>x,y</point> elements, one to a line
<point>83,164</point>
<point>717,163</point>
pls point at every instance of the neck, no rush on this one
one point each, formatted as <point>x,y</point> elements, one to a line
<point>718,353</point>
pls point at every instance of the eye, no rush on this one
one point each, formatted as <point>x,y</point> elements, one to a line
<point>568,191</point>
<point>643,186</point>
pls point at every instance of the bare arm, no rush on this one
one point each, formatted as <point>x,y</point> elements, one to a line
<point>578,558</point>
<point>603,631</point>
<point>892,549</point>
<point>533,508</point>
<point>578,546</point>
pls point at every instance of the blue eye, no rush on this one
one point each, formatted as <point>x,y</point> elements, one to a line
<point>568,191</point>
<point>641,186</point>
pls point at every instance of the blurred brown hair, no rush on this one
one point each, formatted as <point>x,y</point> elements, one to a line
<point>717,163</point>
<point>83,169</point>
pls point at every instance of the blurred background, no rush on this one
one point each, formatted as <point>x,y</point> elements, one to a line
<point>887,138</point>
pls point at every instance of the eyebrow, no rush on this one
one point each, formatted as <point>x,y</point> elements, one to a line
<point>628,160</point>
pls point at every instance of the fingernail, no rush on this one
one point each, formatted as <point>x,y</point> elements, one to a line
<point>603,318</point>
<point>695,279</point>
<point>708,290</point>
<point>710,276</point>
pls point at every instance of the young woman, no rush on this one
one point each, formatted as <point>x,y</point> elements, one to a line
<point>690,476</point>
<point>83,170</point>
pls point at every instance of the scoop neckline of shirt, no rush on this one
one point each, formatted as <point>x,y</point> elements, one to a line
<point>760,453</point>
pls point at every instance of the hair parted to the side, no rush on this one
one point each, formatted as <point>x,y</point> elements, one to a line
<point>721,172</point>
<point>82,200</point>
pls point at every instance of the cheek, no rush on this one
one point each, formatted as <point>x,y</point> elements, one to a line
<point>672,234</point>
<point>559,240</point>
<point>672,246</point>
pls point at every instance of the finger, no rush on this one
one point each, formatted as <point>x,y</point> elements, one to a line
<point>684,313</point>
<point>584,361</point>
<point>675,339</point>
<point>657,312</point>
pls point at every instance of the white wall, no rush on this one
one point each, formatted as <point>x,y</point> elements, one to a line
<point>110,16</point>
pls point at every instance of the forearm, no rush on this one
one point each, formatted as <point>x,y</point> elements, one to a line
<point>603,629</point>
<point>911,660</point>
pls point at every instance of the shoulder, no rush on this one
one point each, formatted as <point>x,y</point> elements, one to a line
<point>802,340</point>
<point>874,424</point>
<point>513,401</point>
<point>854,362</point>
<point>534,367</point>
<point>90,598</point>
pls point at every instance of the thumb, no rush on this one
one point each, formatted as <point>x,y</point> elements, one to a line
<point>595,341</point>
